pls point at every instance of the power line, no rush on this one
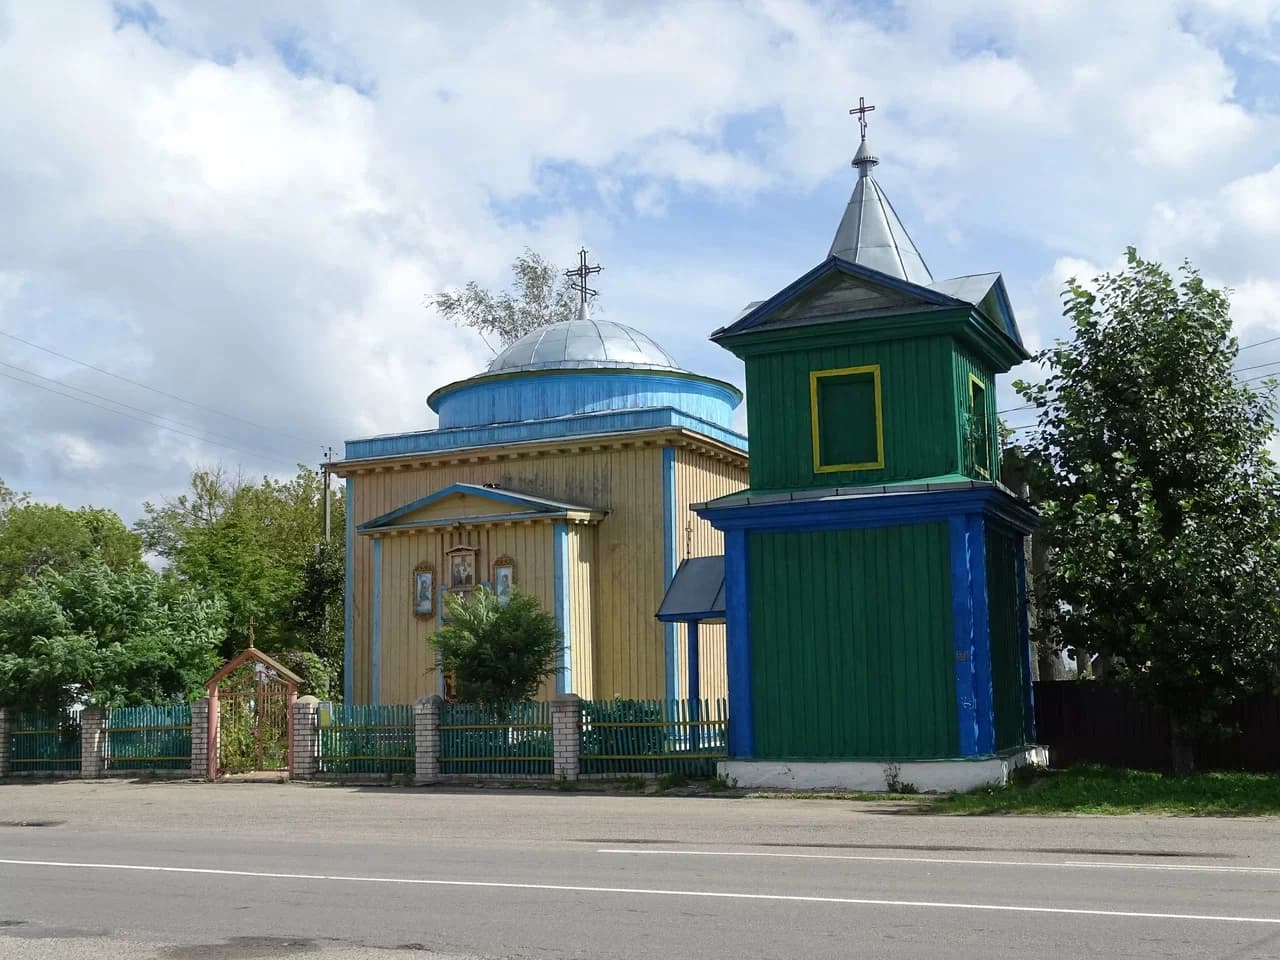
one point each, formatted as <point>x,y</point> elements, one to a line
<point>1260,343</point>
<point>119,403</point>
<point>1256,366</point>
<point>150,423</point>
<point>163,393</point>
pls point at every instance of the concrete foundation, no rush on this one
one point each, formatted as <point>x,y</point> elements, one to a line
<point>875,776</point>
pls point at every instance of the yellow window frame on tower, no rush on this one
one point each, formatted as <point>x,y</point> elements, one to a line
<point>814,417</point>
<point>976,381</point>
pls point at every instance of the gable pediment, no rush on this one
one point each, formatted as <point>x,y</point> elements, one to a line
<point>468,503</point>
<point>837,288</point>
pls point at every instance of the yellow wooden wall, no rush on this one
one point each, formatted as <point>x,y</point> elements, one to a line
<point>700,478</point>
<point>582,609</point>
<point>629,581</point>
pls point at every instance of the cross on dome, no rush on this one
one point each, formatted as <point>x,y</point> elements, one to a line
<point>862,110</point>
<point>578,276</point>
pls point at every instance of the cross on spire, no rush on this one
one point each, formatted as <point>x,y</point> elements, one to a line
<point>862,110</point>
<point>578,277</point>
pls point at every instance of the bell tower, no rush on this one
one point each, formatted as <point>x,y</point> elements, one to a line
<point>875,584</point>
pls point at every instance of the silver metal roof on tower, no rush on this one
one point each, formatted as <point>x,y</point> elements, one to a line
<point>583,344</point>
<point>870,232</point>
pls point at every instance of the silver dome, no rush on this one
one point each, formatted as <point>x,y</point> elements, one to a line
<point>583,344</point>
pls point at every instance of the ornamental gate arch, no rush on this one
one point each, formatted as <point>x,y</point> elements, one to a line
<point>251,714</point>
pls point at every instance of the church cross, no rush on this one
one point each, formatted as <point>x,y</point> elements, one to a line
<point>862,110</point>
<point>579,276</point>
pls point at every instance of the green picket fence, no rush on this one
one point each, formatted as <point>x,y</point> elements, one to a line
<point>653,736</point>
<point>474,741</point>
<point>366,739</point>
<point>149,738</point>
<point>47,742</point>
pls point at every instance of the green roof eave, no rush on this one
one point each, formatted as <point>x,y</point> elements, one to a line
<point>968,323</point>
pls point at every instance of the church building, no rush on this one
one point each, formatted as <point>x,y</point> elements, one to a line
<point>566,469</point>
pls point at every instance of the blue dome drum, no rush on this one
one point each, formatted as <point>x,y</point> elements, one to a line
<point>580,367</point>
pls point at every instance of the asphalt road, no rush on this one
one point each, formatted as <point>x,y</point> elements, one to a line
<point>224,872</point>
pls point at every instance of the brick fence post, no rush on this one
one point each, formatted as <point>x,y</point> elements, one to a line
<point>93,742</point>
<point>4,741</point>
<point>200,738</point>
<point>426,739</point>
<point>566,735</point>
<point>306,738</point>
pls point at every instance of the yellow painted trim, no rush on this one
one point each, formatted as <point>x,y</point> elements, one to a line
<point>814,377</point>
<point>974,378</point>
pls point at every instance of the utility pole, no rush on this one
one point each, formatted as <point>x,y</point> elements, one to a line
<point>324,469</point>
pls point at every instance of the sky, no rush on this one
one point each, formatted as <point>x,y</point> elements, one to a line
<point>220,223</point>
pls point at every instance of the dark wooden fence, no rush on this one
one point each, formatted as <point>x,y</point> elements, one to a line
<point>1092,722</point>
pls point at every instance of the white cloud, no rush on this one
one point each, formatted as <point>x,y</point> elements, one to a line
<point>185,207</point>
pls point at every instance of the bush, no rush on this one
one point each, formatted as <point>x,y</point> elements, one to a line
<point>499,654</point>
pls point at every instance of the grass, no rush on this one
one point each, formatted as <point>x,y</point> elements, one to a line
<point>1111,791</point>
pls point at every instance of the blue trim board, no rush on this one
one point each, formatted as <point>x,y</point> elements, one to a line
<point>985,701</point>
<point>962,630</point>
<point>557,428</point>
<point>1024,638</point>
<point>694,674</point>
<point>375,669</point>
<point>669,540</point>
<point>564,676</point>
<point>349,596</point>
<point>738,652</point>
<point>694,685</point>
<point>859,512</point>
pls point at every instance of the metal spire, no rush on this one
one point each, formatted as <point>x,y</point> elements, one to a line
<point>578,281</point>
<point>870,233</point>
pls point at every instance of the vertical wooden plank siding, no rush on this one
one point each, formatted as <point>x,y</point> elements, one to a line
<point>852,660</point>
<point>582,545</point>
<point>917,400</point>
<point>629,582</point>
<point>963,365</point>
<point>1007,662</point>
<point>700,478</point>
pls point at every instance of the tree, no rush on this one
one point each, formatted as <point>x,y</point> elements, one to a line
<point>498,654</point>
<point>9,499</point>
<point>34,536</point>
<point>540,295</point>
<point>1159,498</point>
<point>127,637</point>
<point>256,545</point>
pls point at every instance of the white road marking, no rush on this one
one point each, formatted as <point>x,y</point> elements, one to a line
<point>1100,864</point>
<point>641,891</point>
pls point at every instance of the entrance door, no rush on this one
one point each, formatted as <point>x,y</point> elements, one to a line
<point>253,721</point>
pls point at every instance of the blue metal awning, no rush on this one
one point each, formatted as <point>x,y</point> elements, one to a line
<point>696,593</point>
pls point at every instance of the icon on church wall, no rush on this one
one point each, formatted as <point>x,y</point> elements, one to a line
<point>424,590</point>
<point>463,571</point>
<point>504,575</point>
<point>462,567</point>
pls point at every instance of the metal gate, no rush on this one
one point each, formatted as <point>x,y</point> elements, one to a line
<point>253,721</point>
